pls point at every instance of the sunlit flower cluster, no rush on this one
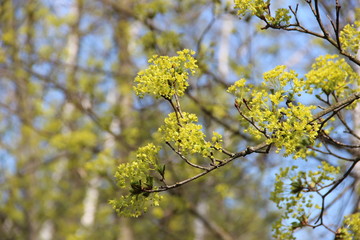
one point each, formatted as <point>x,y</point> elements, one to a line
<point>166,76</point>
<point>135,176</point>
<point>260,9</point>
<point>273,112</point>
<point>350,38</point>
<point>331,74</point>
<point>294,192</point>
<point>185,134</point>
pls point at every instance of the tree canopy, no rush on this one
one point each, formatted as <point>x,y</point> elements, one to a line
<point>206,119</point>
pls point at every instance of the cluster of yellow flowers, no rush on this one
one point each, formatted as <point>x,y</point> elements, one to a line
<point>294,192</point>
<point>185,134</point>
<point>272,113</point>
<point>350,38</point>
<point>166,76</point>
<point>260,9</point>
<point>135,177</point>
<point>341,81</point>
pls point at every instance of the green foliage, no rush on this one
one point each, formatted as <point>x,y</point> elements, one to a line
<point>166,41</point>
<point>74,141</point>
<point>68,117</point>
<point>149,9</point>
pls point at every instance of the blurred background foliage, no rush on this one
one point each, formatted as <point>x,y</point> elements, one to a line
<point>68,116</point>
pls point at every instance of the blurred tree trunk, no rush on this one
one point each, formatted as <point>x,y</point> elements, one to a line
<point>123,95</point>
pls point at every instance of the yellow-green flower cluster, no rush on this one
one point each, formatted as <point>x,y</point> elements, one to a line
<point>350,38</point>
<point>185,134</point>
<point>272,111</point>
<point>238,89</point>
<point>292,192</point>
<point>135,205</point>
<point>277,79</point>
<point>260,9</point>
<point>135,176</point>
<point>351,230</point>
<point>254,7</point>
<point>217,140</point>
<point>146,160</point>
<point>333,75</point>
<point>166,76</point>
<point>282,17</point>
<point>293,203</point>
<point>293,131</point>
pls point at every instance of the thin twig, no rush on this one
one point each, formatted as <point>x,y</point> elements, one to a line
<point>185,159</point>
<point>332,189</point>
